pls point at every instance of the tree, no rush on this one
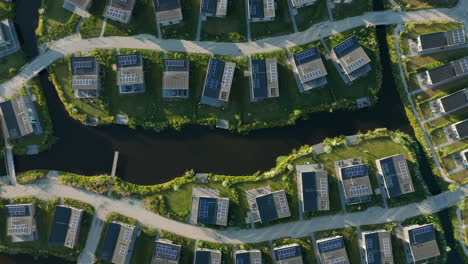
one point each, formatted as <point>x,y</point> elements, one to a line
<point>452,187</point>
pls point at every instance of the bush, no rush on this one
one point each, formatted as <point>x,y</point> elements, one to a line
<point>30,176</point>
<point>97,184</point>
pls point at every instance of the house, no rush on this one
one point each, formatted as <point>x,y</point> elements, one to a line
<point>78,7</point>
<point>86,80</point>
<point>332,250</point>
<point>457,131</point>
<point>288,254</point>
<point>263,79</point>
<point>215,8</point>
<point>395,175</point>
<point>309,67</point>
<point>253,256</point>
<point>66,226</point>
<point>21,222</point>
<point>302,3</point>
<point>267,206</point>
<point>119,10</point>
<point>450,103</point>
<point>354,178</point>
<point>218,83</point>
<point>119,242</point>
<point>130,74</point>
<point>9,42</point>
<point>261,10</point>
<point>312,185</point>
<point>207,256</point>
<point>208,208</point>
<point>168,12</point>
<point>378,247</point>
<point>176,78</point>
<point>352,58</point>
<point>444,74</point>
<point>20,117</point>
<point>464,158</point>
<point>166,252</point>
<point>422,242</point>
<point>441,40</point>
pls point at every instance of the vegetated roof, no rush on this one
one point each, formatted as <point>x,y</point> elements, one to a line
<point>396,174</point>
<point>454,100</point>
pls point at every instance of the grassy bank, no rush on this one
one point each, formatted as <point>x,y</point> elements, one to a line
<point>308,16</point>
<point>7,10</point>
<point>30,176</point>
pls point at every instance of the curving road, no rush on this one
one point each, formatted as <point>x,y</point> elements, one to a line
<point>72,44</point>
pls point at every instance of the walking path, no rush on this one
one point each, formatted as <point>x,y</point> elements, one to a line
<point>292,14</point>
<point>73,44</point>
<point>51,188</point>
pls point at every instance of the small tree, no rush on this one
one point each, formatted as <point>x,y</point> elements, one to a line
<point>452,187</point>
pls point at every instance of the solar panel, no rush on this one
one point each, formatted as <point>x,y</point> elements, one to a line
<point>17,229</point>
<point>283,203</point>
<point>212,68</point>
<point>270,4</point>
<point>273,72</point>
<point>239,261</point>
<point>166,252</point>
<point>16,210</point>
<point>422,230</point>
<point>82,64</point>
<point>128,78</point>
<point>116,14</point>
<point>403,169</point>
<point>458,36</point>
<point>330,245</point>
<point>286,253</point>
<point>258,261</point>
<point>312,74</point>
<point>344,45</point>
<point>203,209</point>
<point>227,76</point>
<point>385,168</point>
<point>222,211</point>
<point>205,4</point>
<point>355,171</point>
<point>82,82</point>
<point>386,247</point>
<point>123,251</point>
<point>257,84</point>
<point>212,83</point>
<point>216,261</point>
<point>253,10</point>
<point>338,260</point>
<point>323,187</point>
<point>370,257</point>
<point>223,4</point>
<point>127,235</point>
<point>389,181</point>
<point>369,244</point>
<point>464,64</point>
<point>125,60</point>
<point>359,190</point>
<point>74,223</point>
<point>305,54</point>
<point>224,95</point>
<point>175,63</point>
<point>356,64</point>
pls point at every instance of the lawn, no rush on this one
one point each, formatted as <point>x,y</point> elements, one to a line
<point>55,22</point>
<point>144,246</point>
<point>7,10</point>
<point>143,22</point>
<point>188,246</point>
<point>350,237</point>
<point>11,64</point>
<point>188,28</point>
<point>92,26</point>
<point>282,24</point>
<point>355,8</point>
<point>311,15</point>
<point>420,4</point>
<point>232,28</point>
<point>307,249</point>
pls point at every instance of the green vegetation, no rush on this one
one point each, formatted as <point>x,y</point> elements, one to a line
<point>7,10</point>
<point>143,21</point>
<point>41,247</point>
<point>307,249</point>
<point>97,184</point>
<point>92,26</point>
<point>311,15</point>
<point>355,8</point>
<point>44,140</point>
<point>232,28</point>
<point>188,28</point>
<point>11,64</point>
<point>226,250</point>
<point>456,233</point>
<point>30,176</point>
<point>419,4</point>
<point>264,248</point>
<point>188,246</point>
<point>350,237</point>
<point>55,22</point>
<point>282,24</point>
<point>144,245</point>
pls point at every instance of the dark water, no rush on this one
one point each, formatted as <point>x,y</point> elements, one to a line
<point>26,259</point>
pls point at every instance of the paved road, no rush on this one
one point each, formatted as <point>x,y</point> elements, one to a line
<point>72,44</point>
<point>51,188</point>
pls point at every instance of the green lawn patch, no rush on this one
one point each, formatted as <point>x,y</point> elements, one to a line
<point>307,249</point>
<point>231,28</point>
<point>418,4</point>
<point>55,22</point>
<point>308,16</point>
<point>355,8</point>
<point>7,10</point>
<point>144,246</point>
<point>30,176</point>
<point>188,246</point>
<point>143,22</point>
<point>188,28</point>
<point>350,237</point>
<point>92,26</point>
<point>11,64</point>
<point>282,24</point>
<point>226,250</point>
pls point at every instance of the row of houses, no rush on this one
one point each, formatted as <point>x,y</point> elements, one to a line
<point>266,206</point>
<point>264,75</point>
<point>169,12</point>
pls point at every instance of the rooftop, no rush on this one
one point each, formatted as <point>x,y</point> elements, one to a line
<point>351,55</point>
<point>165,252</point>
<point>378,247</point>
<point>168,10</point>
<point>207,256</point>
<point>332,250</point>
<point>119,10</point>
<point>355,179</point>
<point>422,242</point>
<point>130,73</point>
<point>65,227</point>
<point>21,222</point>
<point>264,78</point>
<point>309,65</point>
<point>261,9</point>
<point>442,39</point>
<point>313,188</point>
<point>118,242</point>
<point>272,206</point>
<point>214,7</point>
<point>248,256</point>
<point>288,254</point>
<point>455,100</point>
<point>448,71</point>
<point>20,116</point>
<point>462,129</point>
<point>218,82</point>
<point>396,174</point>
<point>176,74</point>
<point>208,208</point>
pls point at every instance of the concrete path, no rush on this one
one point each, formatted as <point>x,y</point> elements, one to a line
<point>461,229</point>
<point>330,10</point>
<point>50,189</point>
<point>456,170</point>
<point>78,26</point>
<point>292,14</point>
<point>103,28</point>
<point>199,27</point>
<point>73,44</point>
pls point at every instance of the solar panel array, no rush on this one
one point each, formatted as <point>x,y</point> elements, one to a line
<point>74,223</point>
<point>203,209</point>
<point>270,4</point>
<point>389,181</point>
<point>305,54</point>
<point>283,204</point>
<point>386,247</point>
<point>323,187</point>
<point>216,261</point>
<point>116,14</point>
<point>125,60</point>
<point>330,245</point>
<point>355,171</point>
<point>253,10</point>
<point>16,210</point>
<point>82,82</point>
<point>385,168</point>
<point>128,78</point>
<point>359,190</point>
<point>82,64</point>
<point>369,244</point>
<point>257,261</point>
<point>422,230</point>
<point>223,4</point>
<point>338,260</point>
<point>127,235</point>
<point>239,261</point>
<point>346,44</point>
<point>17,229</point>
<point>123,250</point>
<point>312,74</point>
<point>205,4</point>
<point>286,253</point>
<point>166,252</point>
<point>222,211</point>
<point>255,68</point>
<point>224,95</point>
<point>226,81</point>
<point>273,72</point>
<point>464,64</point>
<point>22,108</point>
<point>212,83</point>
<point>212,69</point>
<point>458,36</point>
<point>403,169</point>
<point>257,84</point>
<point>356,64</point>
<point>175,63</point>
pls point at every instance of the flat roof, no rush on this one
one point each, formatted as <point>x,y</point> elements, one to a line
<point>351,55</point>
<point>17,116</point>
<point>314,186</point>
<point>454,100</point>
<point>396,174</point>
<point>462,128</point>
<point>378,247</point>
<point>309,65</point>
<point>264,77</point>
<point>288,254</point>
<point>272,206</point>
<point>207,256</point>
<point>422,242</point>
